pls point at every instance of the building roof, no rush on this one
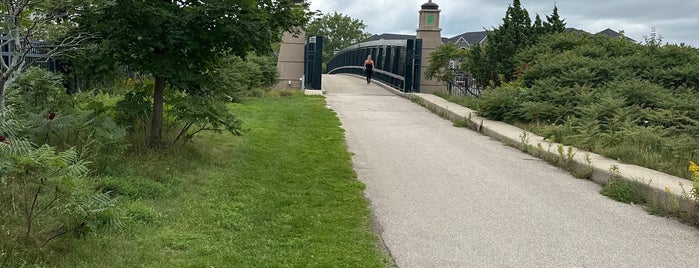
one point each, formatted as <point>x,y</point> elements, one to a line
<point>472,38</point>
<point>574,30</point>
<point>469,39</point>
<point>611,33</point>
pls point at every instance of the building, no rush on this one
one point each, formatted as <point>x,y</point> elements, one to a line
<point>469,39</point>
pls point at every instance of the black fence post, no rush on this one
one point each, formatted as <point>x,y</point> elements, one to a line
<point>313,68</point>
<point>408,70</point>
<point>417,65</point>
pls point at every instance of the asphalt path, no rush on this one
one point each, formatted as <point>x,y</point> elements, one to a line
<point>444,196</point>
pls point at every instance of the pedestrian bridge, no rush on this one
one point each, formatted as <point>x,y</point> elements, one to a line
<point>397,62</point>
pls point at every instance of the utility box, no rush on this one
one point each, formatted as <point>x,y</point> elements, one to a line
<point>313,69</point>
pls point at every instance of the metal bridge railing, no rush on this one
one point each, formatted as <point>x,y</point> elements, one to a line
<point>396,62</point>
<point>35,57</point>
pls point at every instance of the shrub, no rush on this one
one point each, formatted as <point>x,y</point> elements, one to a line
<point>627,101</point>
<point>38,91</point>
<point>139,213</point>
<point>48,115</point>
<point>44,196</point>
<point>501,103</point>
<point>624,191</point>
<point>200,113</point>
<point>236,76</point>
<point>44,192</point>
<point>135,107</point>
<point>96,138</point>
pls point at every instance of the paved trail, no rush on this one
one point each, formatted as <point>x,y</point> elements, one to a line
<point>449,197</point>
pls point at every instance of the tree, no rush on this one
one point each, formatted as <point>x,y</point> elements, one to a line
<point>539,28</point>
<point>35,26</point>
<point>338,31</point>
<point>176,41</point>
<point>554,23</point>
<point>475,64</point>
<point>496,62</point>
<point>504,42</point>
<point>441,59</point>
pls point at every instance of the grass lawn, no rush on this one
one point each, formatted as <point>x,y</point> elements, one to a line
<point>282,195</point>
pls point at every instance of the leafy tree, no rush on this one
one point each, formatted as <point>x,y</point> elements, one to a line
<point>177,42</point>
<point>441,59</point>
<point>338,31</point>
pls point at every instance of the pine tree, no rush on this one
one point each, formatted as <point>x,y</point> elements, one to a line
<point>539,28</point>
<point>554,23</point>
<point>505,41</point>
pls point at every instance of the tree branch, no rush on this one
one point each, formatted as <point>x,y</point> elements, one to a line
<point>184,130</point>
<point>82,224</point>
<point>30,213</point>
<point>50,204</point>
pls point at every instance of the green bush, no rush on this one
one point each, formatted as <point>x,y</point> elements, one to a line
<point>135,107</point>
<point>139,213</point>
<point>200,113</point>
<point>501,103</point>
<point>40,91</point>
<point>46,114</point>
<point>96,138</point>
<point>236,77</point>
<point>44,195</point>
<point>635,103</point>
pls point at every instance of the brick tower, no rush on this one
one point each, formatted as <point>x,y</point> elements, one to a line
<point>431,36</point>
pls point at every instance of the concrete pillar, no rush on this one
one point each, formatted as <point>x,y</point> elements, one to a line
<point>291,60</point>
<point>431,36</point>
<point>290,65</point>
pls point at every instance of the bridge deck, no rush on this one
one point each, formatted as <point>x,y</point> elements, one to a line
<point>450,197</point>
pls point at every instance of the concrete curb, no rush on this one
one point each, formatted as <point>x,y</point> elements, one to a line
<point>664,189</point>
<point>313,92</point>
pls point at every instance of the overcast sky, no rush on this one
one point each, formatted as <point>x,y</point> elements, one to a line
<point>677,21</point>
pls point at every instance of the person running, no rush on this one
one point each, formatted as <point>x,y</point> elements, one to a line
<point>368,68</point>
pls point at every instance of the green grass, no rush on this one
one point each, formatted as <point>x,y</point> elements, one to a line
<point>282,195</point>
<point>625,191</point>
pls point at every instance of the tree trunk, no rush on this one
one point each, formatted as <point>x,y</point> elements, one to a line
<point>156,128</point>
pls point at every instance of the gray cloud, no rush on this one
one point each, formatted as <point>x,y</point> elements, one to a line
<point>676,20</point>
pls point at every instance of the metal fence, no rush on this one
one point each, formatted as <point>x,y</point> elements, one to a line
<point>36,56</point>
<point>463,85</point>
<point>397,62</point>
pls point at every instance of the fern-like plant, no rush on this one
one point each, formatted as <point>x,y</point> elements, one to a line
<point>44,194</point>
